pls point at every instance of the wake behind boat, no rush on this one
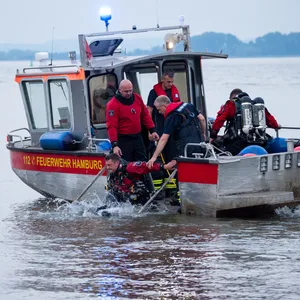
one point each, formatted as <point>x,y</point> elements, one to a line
<point>64,146</point>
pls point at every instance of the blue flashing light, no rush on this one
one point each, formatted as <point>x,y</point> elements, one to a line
<point>105,14</point>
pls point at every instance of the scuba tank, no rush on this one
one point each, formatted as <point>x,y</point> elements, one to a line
<point>246,114</point>
<point>259,121</point>
<point>259,115</point>
<point>237,99</point>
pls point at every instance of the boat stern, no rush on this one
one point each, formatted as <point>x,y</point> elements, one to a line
<point>198,185</point>
<point>219,186</point>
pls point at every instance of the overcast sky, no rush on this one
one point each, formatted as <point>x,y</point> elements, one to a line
<point>31,21</point>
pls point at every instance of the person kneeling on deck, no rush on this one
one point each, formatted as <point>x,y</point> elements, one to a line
<point>125,179</point>
<point>184,122</point>
<point>246,125</point>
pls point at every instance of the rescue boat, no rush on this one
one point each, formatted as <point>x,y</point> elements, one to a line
<point>64,146</point>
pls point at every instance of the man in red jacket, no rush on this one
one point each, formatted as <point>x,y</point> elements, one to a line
<point>125,115</point>
<point>167,88</point>
<point>164,88</point>
<point>125,179</point>
<point>233,142</point>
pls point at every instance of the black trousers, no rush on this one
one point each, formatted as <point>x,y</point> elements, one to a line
<point>132,147</point>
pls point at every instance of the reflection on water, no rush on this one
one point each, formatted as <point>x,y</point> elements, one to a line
<point>65,252</point>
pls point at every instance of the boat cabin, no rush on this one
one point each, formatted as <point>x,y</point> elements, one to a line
<point>72,98</point>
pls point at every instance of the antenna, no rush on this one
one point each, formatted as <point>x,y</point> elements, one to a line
<point>157,25</point>
<point>52,47</point>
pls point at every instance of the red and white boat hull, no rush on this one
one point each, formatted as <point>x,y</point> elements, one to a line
<point>59,175</point>
<point>211,187</point>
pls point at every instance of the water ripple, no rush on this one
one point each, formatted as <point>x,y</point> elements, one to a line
<point>152,256</point>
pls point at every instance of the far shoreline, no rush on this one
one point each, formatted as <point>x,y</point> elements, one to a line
<point>229,57</point>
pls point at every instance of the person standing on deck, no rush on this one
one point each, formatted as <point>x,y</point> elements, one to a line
<point>234,140</point>
<point>184,121</point>
<point>165,87</point>
<point>125,115</point>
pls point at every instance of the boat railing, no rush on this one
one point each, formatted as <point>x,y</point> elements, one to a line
<point>20,138</point>
<point>183,36</point>
<point>287,127</point>
<point>210,151</point>
<point>92,143</point>
<point>52,69</point>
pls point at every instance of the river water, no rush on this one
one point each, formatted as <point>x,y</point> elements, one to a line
<point>52,250</point>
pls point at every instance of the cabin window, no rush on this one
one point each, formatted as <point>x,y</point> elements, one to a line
<point>143,78</point>
<point>180,78</point>
<point>102,89</point>
<point>59,104</point>
<point>36,105</point>
<point>146,82</point>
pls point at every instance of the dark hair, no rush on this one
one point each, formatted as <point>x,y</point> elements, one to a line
<point>169,73</point>
<point>235,92</point>
<point>113,156</point>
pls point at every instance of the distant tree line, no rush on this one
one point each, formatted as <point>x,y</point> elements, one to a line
<point>271,44</point>
<point>16,54</point>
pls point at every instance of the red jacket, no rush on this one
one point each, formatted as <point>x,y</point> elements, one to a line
<point>127,119</point>
<point>140,168</point>
<point>160,92</point>
<point>124,178</point>
<point>227,112</point>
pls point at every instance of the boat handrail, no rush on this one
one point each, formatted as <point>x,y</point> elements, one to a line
<point>85,62</point>
<point>23,128</point>
<point>210,151</point>
<point>285,127</point>
<point>99,140</point>
<point>132,31</point>
<point>10,136</point>
<point>22,140</point>
<point>92,140</point>
<point>79,142</point>
<point>52,68</point>
<point>197,155</point>
<point>16,136</point>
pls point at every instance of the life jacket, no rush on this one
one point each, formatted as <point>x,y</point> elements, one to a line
<point>189,131</point>
<point>125,186</point>
<point>160,92</point>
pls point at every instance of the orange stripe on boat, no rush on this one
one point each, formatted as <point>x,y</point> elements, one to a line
<point>57,163</point>
<point>71,76</point>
